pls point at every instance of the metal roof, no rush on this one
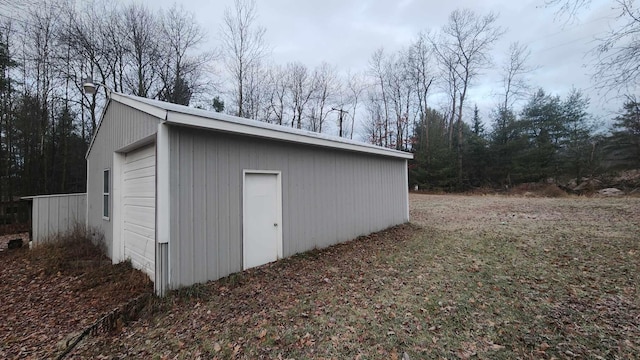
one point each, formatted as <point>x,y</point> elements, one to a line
<point>180,115</point>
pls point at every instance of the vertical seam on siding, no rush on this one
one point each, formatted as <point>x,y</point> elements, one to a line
<point>192,208</point>
<point>205,207</point>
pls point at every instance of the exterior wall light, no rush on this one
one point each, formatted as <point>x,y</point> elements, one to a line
<point>90,87</point>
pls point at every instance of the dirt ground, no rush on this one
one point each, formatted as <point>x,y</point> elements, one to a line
<point>472,277</point>
<point>48,295</point>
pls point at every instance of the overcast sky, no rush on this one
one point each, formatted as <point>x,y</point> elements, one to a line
<point>346,32</point>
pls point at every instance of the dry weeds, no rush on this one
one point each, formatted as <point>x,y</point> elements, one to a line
<point>52,292</point>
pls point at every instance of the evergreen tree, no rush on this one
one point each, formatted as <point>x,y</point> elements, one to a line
<point>623,146</point>
<point>217,104</point>
<point>577,144</point>
<point>505,142</point>
<point>432,167</point>
<point>478,126</point>
<point>543,126</point>
<point>180,93</point>
<point>476,153</point>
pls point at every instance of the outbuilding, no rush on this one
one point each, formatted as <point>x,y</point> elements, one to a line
<point>190,195</point>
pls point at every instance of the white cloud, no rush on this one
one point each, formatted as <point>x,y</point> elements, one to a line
<point>346,32</point>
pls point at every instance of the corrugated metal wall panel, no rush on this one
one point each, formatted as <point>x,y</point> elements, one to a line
<point>121,126</point>
<point>199,210</point>
<point>329,196</point>
<point>56,214</point>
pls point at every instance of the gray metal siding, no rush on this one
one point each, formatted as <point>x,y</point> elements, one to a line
<point>120,127</point>
<point>329,196</point>
<point>56,214</point>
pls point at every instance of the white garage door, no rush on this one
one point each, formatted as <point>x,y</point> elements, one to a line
<point>139,208</point>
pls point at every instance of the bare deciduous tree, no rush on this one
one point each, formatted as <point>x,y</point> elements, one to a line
<point>354,88</point>
<point>469,37</point>
<point>301,87</point>
<point>447,61</point>
<point>378,69</point>
<point>618,52</point>
<point>401,91</point>
<point>243,46</point>
<point>181,69</point>
<point>423,76</point>
<point>515,69</point>
<point>139,33</point>
<point>277,94</point>
<point>326,89</point>
<point>568,8</point>
<point>83,34</point>
<point>256,99</point>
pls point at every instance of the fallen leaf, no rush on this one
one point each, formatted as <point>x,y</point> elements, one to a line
<point>465,354</point>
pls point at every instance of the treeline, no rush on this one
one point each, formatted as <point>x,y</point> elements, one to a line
<point>550,139</point>
<point>415,99</point>
<point>47,48</point>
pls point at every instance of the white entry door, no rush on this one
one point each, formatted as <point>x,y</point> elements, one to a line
<point>262,234</point>
<point>139,208</point>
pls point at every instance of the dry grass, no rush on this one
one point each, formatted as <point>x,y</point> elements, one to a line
<point>475,277</point>
<point>537,190</point>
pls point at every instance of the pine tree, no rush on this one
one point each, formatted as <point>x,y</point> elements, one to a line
<point>623,146</point>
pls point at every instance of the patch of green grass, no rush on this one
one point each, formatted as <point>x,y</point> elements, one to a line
<point>485,277</point>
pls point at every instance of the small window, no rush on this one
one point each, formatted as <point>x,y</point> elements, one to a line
<point>105,195</point>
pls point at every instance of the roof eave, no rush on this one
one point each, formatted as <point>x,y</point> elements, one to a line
<point>122,99</point>
<point>189,120</point>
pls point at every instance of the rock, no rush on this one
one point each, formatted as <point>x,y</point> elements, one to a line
<point>588,184</point>
<point>610,192</point>
<point>14,244</point>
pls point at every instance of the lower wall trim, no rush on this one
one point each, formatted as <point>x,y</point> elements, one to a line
<point>161,285</point>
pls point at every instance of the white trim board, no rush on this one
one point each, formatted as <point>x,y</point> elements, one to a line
<point>109,194</point>
<point>163,188</point>
<point>131,102</point>
<point>406,181</point>
<point>50,196</point>
<point>117,245</point>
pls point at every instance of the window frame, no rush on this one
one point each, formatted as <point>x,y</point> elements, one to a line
<point>106,194</point>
